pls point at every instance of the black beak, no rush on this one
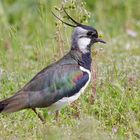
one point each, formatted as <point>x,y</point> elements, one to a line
<point>99,40</point>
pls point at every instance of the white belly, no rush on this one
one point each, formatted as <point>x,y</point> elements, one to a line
<point>68,100</point>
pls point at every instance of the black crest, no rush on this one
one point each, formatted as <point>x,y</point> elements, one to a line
<point>71,25</point>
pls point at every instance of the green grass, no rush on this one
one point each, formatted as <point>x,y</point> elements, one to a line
<point>30,40</point>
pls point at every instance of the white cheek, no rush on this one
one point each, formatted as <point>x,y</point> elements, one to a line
<point>83,43</point>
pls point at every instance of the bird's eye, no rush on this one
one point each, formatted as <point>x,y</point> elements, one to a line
<point>89,33</point>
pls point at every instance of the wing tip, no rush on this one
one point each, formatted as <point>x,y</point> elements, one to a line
<point>2,106</point>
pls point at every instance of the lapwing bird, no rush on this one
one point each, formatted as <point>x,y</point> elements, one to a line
<point>62,82</point>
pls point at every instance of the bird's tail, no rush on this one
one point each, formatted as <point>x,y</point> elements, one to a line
<point>14,103</point>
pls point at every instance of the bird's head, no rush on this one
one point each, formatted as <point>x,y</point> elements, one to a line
<point>83,36</point>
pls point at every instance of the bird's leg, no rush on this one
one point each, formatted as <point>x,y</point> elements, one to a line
<point>57,115</point>
<point>39,116</point>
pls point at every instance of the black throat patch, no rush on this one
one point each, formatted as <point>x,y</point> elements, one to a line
<point>86,61</point>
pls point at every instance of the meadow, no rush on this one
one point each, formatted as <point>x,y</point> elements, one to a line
<point>31,38</point>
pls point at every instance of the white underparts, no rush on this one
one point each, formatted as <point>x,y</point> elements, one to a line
<point>68,100</point>
<point>83,43</point>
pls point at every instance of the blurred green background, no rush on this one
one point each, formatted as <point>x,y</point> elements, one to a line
<point>31,38</point>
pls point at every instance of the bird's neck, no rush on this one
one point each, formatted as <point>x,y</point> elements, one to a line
<point>83,59</point>
<point>86,60</point>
